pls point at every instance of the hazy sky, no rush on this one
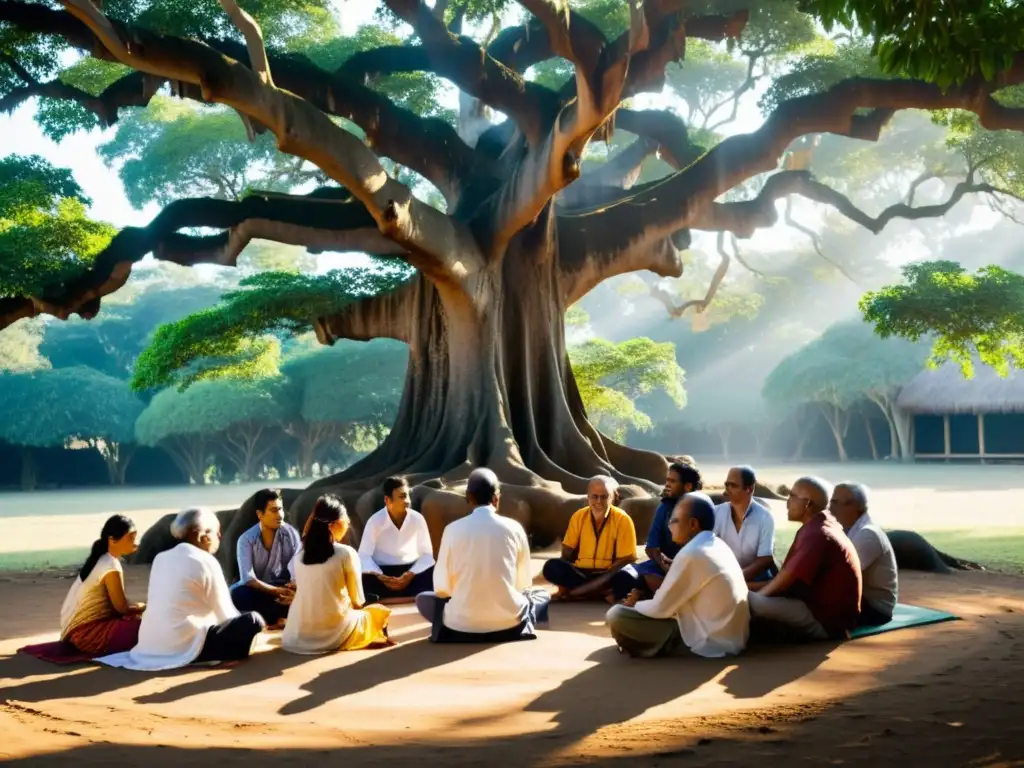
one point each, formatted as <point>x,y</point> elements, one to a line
<point>78,152</point>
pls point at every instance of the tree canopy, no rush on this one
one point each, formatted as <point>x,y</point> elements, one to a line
<point>503,159</point>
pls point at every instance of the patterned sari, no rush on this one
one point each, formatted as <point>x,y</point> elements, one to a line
<point>89,620</point>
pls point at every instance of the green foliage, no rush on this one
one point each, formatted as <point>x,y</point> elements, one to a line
<point>576,317</point>
<point>843,366</point>
<point>206,409</point>
<point>612,376</point>
<point>349,383</point>
<point>58,118</point>
<point>284,22</point>
<point>231,338</point>
<point>943,41</point>
<point>52,407</point>
<point>45,235</point>
<point>820,70</point>
<point>417,91</point>
<point>980,313</point>
<point>113,341</point>
<point>173,149</point>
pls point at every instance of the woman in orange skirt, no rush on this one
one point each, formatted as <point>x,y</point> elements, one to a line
<point>96,617</point>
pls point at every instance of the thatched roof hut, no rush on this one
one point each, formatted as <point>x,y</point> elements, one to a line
<point>946,391</point>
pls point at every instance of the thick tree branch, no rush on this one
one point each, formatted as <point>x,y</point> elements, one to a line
<point>551,166</point>
<point>391,315</point>
<point>685,199</point>
<point>664,127</point>
<point>437,245</point>
<point>437,151</point>
<point>466,64</point>
<point>608,180</point>
<point>326,220</point>
<point>134,90</point>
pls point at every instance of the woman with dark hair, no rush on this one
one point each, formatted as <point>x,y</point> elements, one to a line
<point>327,613</point>
<point>96,617</point>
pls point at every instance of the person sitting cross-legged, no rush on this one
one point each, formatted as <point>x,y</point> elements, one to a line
<point>599,542</point>
<point>328,613</point>
<point>661,548</point>
<point>700,607</point>
<point>395,550</point>
<point>189,616</point>
<point>482,579</point>
<point>747,526</point>
<point>817,592</point>
<point>265,553</point>
<point>877,559</point>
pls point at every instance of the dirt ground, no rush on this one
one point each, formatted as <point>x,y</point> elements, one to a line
<point>941,695</point>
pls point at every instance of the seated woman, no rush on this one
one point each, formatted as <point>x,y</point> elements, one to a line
<point>96,617</point>
<point>327,613</point>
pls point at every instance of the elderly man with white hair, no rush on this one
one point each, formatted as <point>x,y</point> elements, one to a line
<point>599,542</point>
<point>817,592</point>
<point>190,617</point>
<point>877,559</point>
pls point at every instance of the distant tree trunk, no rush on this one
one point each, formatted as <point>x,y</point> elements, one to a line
<point>839,421</point>
<point>897,448</point>
<point>801,437</point>
<point>724,431</point>
<point>246,446</point>
<point>117,457</point>
<point>191,454</point>
<point>29,474</point>
<point>312,437</point>
<point>871,435</point>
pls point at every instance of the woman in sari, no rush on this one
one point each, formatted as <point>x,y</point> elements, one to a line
<point>327,613</point>
<point>96,617</point>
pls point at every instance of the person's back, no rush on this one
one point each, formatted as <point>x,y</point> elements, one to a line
<point>880,572</point>
<point>484,565</point>
<point>321,614</point>
<point>175,599</point>
<point>829,573</point>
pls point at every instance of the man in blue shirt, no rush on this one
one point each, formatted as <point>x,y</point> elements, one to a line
<point>648,575</point>
<point>265,553</point>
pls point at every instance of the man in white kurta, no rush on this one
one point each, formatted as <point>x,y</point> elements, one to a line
<point>189,614</point>
<point>482,580</point>
<point>878,566</point>
<point>395,551</point>
<point>702,604</point>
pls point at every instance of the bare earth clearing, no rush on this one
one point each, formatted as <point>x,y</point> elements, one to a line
<point>942,695</point>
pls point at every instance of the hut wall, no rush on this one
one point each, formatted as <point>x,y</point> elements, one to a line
<point>928,434</point>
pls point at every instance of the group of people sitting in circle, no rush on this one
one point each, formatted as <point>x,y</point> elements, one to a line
<point>710,571</point>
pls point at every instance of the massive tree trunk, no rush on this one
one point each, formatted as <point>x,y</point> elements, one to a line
<point>838,421</point>
<point>489,382</point>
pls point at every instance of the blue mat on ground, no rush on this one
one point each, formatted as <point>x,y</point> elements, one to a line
<point>905,616</point>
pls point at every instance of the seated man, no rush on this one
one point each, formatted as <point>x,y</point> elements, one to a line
<point>482,579</point>
<point>599,542</point>
<point>265,553</point>
<point>877,560</point>
<point>648,575</point>
<point>189,616</point>
<point>702,603</point>
<point>746,525</point>
<point>816,593</point>
<point>395,551</point>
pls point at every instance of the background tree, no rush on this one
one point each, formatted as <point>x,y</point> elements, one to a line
<point>841,371</point>
<point>329,395</point>
<point>488,375</point>
<point>56,407</point>
<point>230,415</point>
<point>612,376</point>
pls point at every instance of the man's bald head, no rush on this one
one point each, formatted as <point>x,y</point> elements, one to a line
<point>809,496</point>
<point>483,487</point>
